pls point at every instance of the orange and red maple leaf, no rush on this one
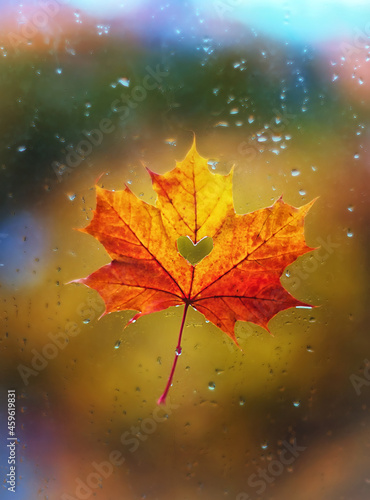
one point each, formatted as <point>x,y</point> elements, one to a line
<point>238,280</point>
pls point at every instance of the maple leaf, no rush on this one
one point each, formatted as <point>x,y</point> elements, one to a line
<point>238,280</point>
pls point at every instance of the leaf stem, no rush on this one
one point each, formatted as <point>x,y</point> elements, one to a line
<point>162,399</point>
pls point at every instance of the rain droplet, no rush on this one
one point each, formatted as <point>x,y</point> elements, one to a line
<point>178,351</point>
<point>349,233</point>
<point>211,386</point>
<point>222,123</point>
<point>241,401</point>
<point>71,196</point>
<point>302,192</point>
<point>59,71</point>
<point>296,403</point>
<point>21,149</point>
<point>295,172</point>
<point>213,164</point>
<point>117,344</point>
<point>251,119</point>
<point>356,156</point>
<point>86,321</point>
<point>309,349</point>
<point>264,445</point>
<point>350,208</point>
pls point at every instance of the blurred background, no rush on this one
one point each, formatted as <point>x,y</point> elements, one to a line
<point>280,90</point>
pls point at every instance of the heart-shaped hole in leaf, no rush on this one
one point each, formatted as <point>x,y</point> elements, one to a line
<point>194,253</point>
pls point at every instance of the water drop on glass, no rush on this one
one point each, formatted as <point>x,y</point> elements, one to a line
<point>296,403</point>
<point>213,164</point>
<point>178,351</point>
<point>117,344</point>
<point>295,172</point>
<point>349,233</point>
<point>264,445</point>
<point>58,71</point>
<point>211,386</point>
<point>86,321</point>
<point>20,149</point>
